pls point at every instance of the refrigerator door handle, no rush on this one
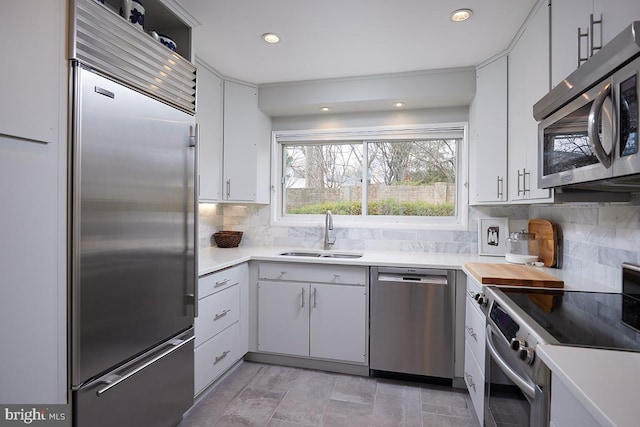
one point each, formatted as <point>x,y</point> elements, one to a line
<point>113,380</point>
<point>194,142</point>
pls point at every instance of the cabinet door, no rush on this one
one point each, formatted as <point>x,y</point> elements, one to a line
<point>283,318</point>
<point>338,322</point>
<point>566,409</point>
<point>528,82</point>
<point>240,142</point>
<point>566,17</point>
<point>209,118</point>
<point>616,16</point>
<point>33,69</point>
<point>489,134</point>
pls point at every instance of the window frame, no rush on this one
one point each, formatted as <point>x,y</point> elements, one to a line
<point>364,135</point>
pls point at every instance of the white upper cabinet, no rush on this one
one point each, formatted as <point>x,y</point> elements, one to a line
<point>246,146</point>
<point>209,119</point>
<point>528,81</point>
<point>234,155</point>
<point>31,69</point>
<point>616,16</point>
<point>488,134</point>
<point>570,16</point>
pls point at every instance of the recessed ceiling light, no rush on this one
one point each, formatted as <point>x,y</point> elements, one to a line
<point>461,15</point>
<point>270,38</point>
<point>325,109</point>
<point>399,104</point>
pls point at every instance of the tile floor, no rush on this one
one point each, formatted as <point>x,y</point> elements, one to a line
<point>258,394</point>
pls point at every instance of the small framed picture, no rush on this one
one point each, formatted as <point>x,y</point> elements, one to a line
<point>492,236</point>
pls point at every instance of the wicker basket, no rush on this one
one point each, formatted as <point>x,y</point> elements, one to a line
<point>227,239</point>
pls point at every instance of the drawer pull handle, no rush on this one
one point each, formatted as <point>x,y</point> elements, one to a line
<point>221,283</point>
<point>221,315</point>
<point>470,293</point>
<point>472,333</point>
<point>302,297</point>
<point>222,356</point>
<point>470,382</point>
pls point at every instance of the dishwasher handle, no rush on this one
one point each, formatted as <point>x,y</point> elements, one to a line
<point>413,278</point>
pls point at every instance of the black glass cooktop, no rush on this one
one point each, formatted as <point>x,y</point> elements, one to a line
<point>590,319</point>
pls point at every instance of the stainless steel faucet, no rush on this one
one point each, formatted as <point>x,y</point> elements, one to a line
<point>328,225</point>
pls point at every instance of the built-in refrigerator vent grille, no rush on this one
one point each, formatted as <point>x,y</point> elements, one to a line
<point>107,42</point>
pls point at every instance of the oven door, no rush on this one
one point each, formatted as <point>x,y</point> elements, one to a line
<point>511,396</point>
<point>576,142</point>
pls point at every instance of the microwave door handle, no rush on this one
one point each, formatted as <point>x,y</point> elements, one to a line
<point>522,384</point>
<point>595,115</point>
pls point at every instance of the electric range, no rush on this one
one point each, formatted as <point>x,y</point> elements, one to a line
<point>570,317</point>
<point>521,318</point>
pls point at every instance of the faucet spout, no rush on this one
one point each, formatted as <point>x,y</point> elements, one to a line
<point>328,226</point>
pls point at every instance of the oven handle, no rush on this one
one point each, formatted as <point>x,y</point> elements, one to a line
<point>595,115</point>
<point>522,384</point>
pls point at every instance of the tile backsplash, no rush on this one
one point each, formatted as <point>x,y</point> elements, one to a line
<point>594,238</point>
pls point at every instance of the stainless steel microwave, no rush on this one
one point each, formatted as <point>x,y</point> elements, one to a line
<point>588,124</point>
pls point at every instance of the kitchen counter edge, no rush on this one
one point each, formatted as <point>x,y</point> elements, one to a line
<point>213,259</point>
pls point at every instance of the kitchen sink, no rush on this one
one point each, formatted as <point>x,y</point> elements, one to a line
<point>314,254</point>
<point>338,255</point>
<point>296,253</point>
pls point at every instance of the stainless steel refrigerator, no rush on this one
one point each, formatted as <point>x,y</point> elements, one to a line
<point>133,256</point>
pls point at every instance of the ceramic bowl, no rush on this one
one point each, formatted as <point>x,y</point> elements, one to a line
<point>167,41</point>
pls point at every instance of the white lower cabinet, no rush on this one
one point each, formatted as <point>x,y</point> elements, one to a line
<point>283,318</point>
<point>474,355</point>
<point>318,320</point>
<point>338,324</point>
<point>474,379</point>
<point>221,324</point>
<point>566,410</point>
<point>215,356</point>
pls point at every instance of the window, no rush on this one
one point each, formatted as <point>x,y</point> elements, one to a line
<point>411,175</point>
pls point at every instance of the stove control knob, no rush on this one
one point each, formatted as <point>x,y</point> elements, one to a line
<point>526,354</point>
<point>482,299</point>
<point>517,343</point>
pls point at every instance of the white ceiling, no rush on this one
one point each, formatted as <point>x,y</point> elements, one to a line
<point>323,39</point>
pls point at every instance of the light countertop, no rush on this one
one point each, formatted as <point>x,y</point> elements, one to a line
<point>213,258</point>
<point>605,382</point>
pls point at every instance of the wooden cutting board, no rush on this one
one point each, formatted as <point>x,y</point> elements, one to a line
<point>512,275</point>
<point>547,236</point>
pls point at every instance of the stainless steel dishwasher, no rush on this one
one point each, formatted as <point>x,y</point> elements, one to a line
<point>412,316</point>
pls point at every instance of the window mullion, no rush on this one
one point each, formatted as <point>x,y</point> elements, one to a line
<point>365,179</point>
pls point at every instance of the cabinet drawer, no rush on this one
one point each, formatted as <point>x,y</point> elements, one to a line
<point>474,379</point>
<point>215,356</point>
<point>306,273</point>
<point>217,312</point>
<point>220,280</point>
<point>475,330</point>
